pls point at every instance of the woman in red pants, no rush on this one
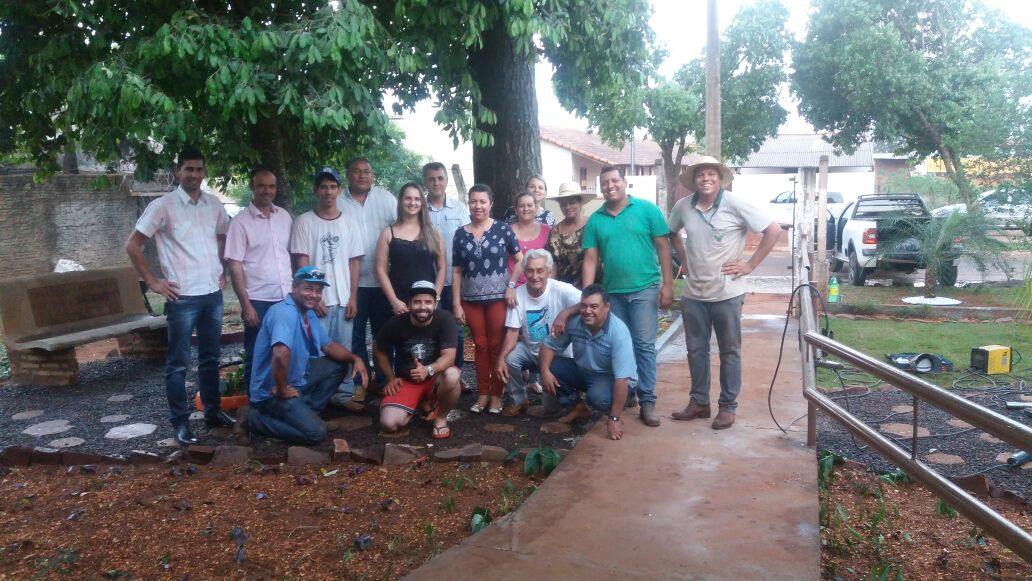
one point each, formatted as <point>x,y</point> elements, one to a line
<point>482,286</point>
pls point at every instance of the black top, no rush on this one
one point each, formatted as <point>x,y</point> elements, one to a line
<point>411,343</point>
<point>407,262</point>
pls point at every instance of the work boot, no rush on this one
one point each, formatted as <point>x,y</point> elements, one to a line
<point>724,420</point>
<point>692,412</point>
<point>648,414</point>
<point>632,401</point>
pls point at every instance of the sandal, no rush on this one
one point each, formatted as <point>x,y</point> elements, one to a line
<point>495,411</point>
<point>475,408</point>
<point>431,415</point>
<point>442,432</point>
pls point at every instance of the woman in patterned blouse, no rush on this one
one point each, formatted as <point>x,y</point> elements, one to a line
<point>564,240</point>
<point>482,287</point>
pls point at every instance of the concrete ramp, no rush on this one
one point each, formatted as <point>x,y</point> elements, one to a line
<point>678,501</point>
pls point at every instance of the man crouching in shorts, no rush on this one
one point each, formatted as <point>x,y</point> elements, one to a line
<point>427,379</point>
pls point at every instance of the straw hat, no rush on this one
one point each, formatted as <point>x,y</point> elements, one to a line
<point>687,177</point>
<point>571,190</point>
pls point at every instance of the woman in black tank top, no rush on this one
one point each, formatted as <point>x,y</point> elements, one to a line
<point>409,250</point>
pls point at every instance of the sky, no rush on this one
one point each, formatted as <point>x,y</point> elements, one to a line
<point>680,27</point>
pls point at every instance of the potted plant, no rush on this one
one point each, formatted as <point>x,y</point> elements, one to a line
<point>231,388</point>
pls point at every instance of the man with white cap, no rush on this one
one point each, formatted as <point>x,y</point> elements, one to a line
<point>716,223</point>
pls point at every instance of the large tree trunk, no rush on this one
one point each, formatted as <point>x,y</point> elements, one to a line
<point>267,141</point>
<point>506,81</point>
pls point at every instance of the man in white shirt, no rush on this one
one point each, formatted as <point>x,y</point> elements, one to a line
<point>328,240</point>
<point>528,324</point>
<point>189,229</point>
<point>372,209</point>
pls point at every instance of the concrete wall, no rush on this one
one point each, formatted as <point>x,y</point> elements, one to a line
<point>64,217</point>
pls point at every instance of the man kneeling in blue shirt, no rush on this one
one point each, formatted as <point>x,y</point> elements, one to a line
<point>291,381</point>
<point>602,365</point>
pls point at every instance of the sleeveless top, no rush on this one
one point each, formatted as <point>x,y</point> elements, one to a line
<point>407,262</point>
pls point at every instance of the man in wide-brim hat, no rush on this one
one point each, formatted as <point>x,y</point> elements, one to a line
<point>716,223</point>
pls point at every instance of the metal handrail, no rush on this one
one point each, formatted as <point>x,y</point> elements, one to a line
<point>1002,427</point>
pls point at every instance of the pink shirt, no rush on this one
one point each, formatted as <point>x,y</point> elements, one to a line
<point>525,245</point>
<point>185,233</point>
<point>260,243</point>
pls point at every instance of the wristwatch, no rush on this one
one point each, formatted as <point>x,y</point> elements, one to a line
<point>614,418</point>
<point>511,284</point>
<point>429,371</point>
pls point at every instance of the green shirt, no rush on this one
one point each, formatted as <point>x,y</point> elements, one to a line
<point>626,245</point>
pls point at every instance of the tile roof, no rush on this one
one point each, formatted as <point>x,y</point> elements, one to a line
<point>591,146</point>
<point>805,150</point>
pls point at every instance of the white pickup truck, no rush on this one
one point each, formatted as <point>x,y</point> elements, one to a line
<point>854,236</point>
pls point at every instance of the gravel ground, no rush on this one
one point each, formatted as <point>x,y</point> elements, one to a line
<point>947,435</point>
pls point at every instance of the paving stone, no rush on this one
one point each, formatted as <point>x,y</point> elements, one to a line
<point>903,409</point>
<point>130,431</point>
<point>500,428</point>
<point>66,443</point>
<point>903,430</point>
<point>168,443</point>
<point>331,425</point>
<point>120,397</point>
<point>341,450</point>
<point>467,453</point>
<point>200,454</point>
<point>1025,397</point>
<point>366,456</point>
<point>196,416</point>
<point>228,455</point>
<point>944,459</point>
<point>16,456</point>
<point>114,419</point>
<point>26,415</point>
<point>303,456</point>
<point>141,457</point>
<point>977,484</point>
<point>80,458</point>
<point>47,428</point>
<point>397,454</point>
<point>555,428</point>
<point>956,423</point>
<point>352,423</point>
<point>43,455</point>
<point>990,438</point>
<point>494,454</point>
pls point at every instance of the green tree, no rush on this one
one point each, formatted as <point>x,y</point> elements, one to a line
<point>287,83</point>
<point>945,78</point>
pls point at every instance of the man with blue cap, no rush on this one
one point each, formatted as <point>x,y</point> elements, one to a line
<point>297,367</point>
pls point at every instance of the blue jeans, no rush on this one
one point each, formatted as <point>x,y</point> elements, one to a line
<point>297,419</point>
<point>701,320</point>
<point>203,312</point>
<point>374,309</point>
<point>446,304</point>
<point>599,387</point>
<point>251,334</point>
<point>640,312</point>
<point>517,360</point>
<point>342,331</point>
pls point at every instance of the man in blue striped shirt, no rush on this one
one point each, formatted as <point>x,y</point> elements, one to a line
<point>603,361</point>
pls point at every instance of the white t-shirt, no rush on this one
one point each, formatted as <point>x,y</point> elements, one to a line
<point>533,316</point>
<point>329,244</point>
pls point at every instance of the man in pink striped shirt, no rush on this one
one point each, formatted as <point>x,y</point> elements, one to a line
<point>256,252</point>
<point>189,229</point>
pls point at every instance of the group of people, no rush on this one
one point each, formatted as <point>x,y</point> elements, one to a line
<point>419,266</point>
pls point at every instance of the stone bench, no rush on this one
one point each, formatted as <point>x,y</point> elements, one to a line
<point>45,317</point>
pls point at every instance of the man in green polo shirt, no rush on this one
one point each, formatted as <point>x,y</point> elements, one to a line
<point>629,238</point>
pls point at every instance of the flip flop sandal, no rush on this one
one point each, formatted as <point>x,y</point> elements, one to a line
<point>441,432</point>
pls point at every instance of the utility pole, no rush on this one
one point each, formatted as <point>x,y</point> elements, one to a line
<point>712,81</point>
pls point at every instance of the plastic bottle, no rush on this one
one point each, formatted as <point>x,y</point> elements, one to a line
<point>833,296</point>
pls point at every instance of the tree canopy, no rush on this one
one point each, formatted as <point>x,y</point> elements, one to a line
<point>946,78</point>
<point>289,83</point>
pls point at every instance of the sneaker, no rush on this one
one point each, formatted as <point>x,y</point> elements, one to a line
<point>648,414</point>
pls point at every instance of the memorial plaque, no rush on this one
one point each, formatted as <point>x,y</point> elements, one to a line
<point>61,303</point>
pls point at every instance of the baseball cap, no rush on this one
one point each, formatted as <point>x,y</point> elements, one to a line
<point>424,287</point>
<point>310,274</point>
<point>326,172</point>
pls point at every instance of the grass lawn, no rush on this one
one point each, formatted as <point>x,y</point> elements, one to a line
<point>893,295</point>
<point>954,340</point>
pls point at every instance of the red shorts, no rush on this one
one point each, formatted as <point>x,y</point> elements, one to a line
<point>410,395</point>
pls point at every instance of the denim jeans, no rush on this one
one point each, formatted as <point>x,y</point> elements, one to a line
<point>599,387</point>
<point>640,312</point>
<point>340,330</point>
<point>701,320</point>
<point>374,309</point>
<point>203,312</point>
<point>251,334</point>
<point>446,304</point>
<point>297,419</point>
<point>519,359</point>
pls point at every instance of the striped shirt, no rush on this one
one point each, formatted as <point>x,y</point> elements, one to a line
<point>185,233</point>
<point>451,216</point>
<point>379,211</point>
<point>260,243</point>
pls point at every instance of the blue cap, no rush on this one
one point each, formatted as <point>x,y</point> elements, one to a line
<point>324,172</point>
<point>310,274</point>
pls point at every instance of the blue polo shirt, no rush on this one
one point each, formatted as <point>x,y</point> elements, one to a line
<point>283,325</point>
<point>609,352</point>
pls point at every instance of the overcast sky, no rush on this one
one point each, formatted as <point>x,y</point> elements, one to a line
<point>680,27</point>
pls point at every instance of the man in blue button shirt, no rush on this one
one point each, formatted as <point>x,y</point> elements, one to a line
<point>602,365</point>
<point>291,380</point>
